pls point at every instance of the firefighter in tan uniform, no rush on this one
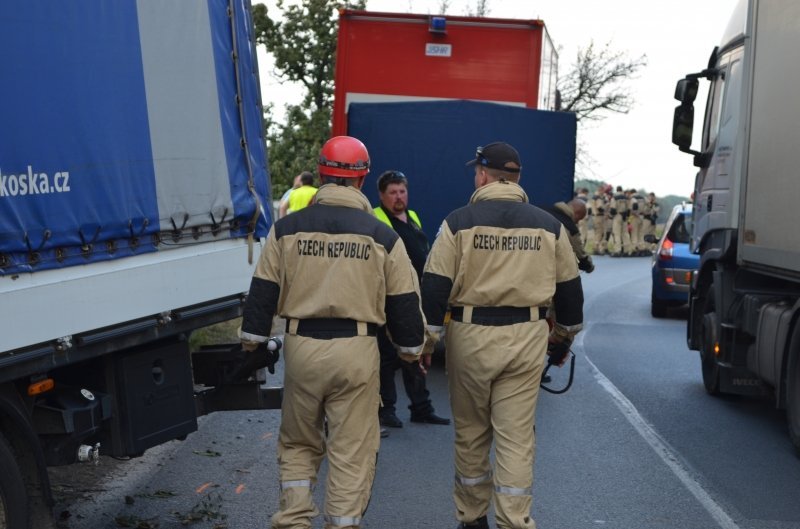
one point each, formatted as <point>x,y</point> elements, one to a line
<point>498,263</point>
<point>651,209</point>
<point>618,209</point>
<point>598,210</point>
<point>570,214</point>
<point>636,221</point>
<point>583,224</point>
<point>336,273</point>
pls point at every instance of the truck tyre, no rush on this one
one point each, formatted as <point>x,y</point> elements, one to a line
<point>793,400</point>
<point>13,503</point>
<point>658,307</point>
<point>708,360</point>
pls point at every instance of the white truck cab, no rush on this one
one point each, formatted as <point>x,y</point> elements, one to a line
<point>745,296</point>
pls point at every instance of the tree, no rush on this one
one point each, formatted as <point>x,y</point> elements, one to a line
<point>595,85</point>
<point>481,9</point>
<point>303,42</point>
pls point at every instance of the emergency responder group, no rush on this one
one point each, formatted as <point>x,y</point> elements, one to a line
<point>359,287</point>
<point>621,221</point>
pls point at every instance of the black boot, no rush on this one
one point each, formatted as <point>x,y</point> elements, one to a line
<point>430,418</point>
<point>480,523</point>
<point>389,419</point>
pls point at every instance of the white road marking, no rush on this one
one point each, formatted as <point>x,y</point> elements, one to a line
<point>659,445</point>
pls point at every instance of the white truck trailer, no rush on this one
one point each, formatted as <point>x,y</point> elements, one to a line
<point>133,193</point>
<point>745,297</point>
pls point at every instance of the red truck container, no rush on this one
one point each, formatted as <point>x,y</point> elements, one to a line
<point>401,57</point>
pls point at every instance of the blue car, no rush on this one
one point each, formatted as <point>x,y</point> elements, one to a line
<point>673,263</point>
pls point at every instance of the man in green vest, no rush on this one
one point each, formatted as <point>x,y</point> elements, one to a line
<point>302,196</point>
<point>393,193</point>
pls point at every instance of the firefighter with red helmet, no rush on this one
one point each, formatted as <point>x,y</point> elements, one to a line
<point>335,273</point>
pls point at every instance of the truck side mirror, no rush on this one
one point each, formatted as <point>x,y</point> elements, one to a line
<point>682,125</point>
<point>686,91</point>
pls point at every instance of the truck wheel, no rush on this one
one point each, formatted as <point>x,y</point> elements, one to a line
<point>658,307</point>
<point>13,503</point>
<point>793,401</point>
<point>708,360</point>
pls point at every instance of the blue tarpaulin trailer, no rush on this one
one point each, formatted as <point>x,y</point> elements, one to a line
<point>132,157</point>
<point>134,190</point>
<point>126,128</point>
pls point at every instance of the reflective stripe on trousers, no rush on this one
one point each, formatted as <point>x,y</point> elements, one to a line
<point>343,521</point>
<point>296,483</point>
<point>512,491</point>
<point>471,482</point>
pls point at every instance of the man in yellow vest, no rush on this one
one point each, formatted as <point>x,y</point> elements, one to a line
<point>393,193</point>
<point>302,196</point>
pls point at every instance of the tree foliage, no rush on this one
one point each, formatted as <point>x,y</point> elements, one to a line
<point>596,83</point>
<point>302,39</point>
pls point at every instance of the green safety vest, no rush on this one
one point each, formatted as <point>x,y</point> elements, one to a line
<point>381,214</point>
<point>301,197</point>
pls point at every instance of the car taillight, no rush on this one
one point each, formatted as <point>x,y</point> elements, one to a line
<point>666,250</point>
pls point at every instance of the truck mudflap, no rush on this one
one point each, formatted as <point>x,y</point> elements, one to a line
<point>740,381</point>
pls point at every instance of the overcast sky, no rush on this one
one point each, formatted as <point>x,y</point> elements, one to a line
<point>677,36</point>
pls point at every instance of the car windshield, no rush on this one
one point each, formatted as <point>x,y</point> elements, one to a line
<point>681,229</point>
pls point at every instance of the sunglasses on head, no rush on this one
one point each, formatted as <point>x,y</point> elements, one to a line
<point>393,176</point>
<point>480,157</point>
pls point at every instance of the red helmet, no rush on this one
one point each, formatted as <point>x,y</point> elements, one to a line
<point>344,157</point>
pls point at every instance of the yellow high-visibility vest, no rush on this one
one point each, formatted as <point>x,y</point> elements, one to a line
<point>384,218</point>
<point>301,197</point>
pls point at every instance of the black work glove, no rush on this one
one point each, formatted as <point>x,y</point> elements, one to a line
<point>557,352</point>
<point>247,362</point>
<point>272,350</point>
<point>586,264</point>
<point>613,212</point>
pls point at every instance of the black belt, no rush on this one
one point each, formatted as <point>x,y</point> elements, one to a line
<point>328,328</point>
<point>497,316</point>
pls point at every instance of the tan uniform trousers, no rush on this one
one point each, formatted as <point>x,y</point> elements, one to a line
<point>493,375</point>
<point>583,229</point>
<point>335,379</point>
<point>599,222</point>
<point>622,239</point>
<point>637,242</point>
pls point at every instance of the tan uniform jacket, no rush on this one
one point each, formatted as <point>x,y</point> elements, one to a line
<point>597,205</point>
<point>651,210</point>
<point>619,205</point>
<point>564,213</point>
<point>501,251</point>
<point>637,205</point>
<point>334,259</point>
